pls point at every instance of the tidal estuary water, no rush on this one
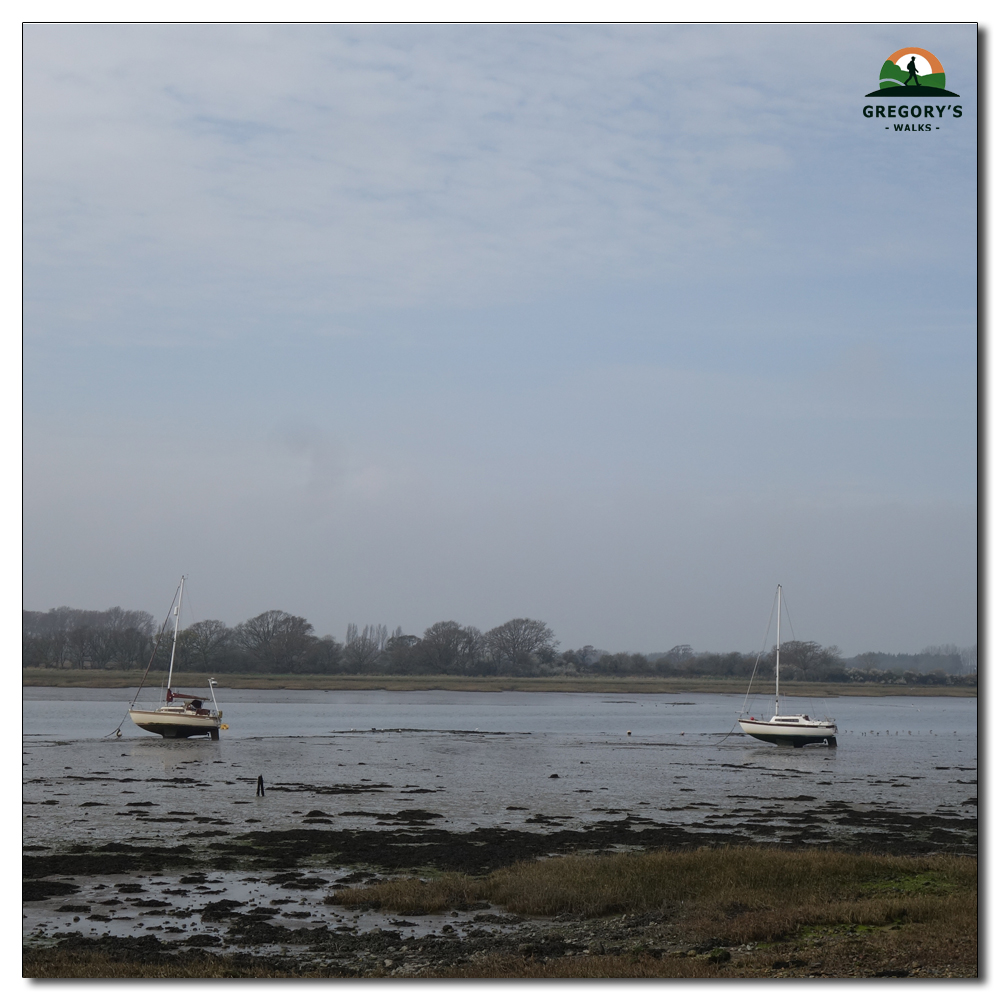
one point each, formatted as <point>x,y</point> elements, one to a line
<point>376,781</point>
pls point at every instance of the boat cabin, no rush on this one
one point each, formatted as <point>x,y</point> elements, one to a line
<point>192,705</point>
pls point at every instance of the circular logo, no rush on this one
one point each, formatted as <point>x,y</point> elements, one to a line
<point>915,72</point>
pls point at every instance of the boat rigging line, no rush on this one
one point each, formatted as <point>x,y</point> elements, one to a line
<point>753,674</point>
<point>159,636</point>
<point>763,646</point>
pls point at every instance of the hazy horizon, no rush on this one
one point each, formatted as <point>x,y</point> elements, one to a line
<point>188,619</point>
<point>614,326</point>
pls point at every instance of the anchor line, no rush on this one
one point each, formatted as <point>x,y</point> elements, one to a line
<point>726,737</point>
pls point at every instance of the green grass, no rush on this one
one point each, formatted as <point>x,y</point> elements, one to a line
<point>913,883</point>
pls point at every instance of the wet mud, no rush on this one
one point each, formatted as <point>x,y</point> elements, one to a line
<point>184,896</point>
<point>257,939</point>
<point>412,842</point>
<point>165,867</point>
<point>392,951</point>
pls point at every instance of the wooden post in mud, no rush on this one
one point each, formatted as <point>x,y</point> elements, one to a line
<point>260,786</point>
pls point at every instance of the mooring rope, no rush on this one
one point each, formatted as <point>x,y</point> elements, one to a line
<point>726,737</point>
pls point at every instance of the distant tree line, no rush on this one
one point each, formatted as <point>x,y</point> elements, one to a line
<point>800,660</point>
<point>949,659</point>
<point>73,638</point>
<point>276,642</point>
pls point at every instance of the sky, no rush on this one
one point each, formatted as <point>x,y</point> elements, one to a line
<point>615,326</point>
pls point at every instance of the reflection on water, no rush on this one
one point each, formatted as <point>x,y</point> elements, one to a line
<point>475,759</point>
<point>169,754</point>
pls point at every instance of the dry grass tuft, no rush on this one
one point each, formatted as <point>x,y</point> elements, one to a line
<point>739,880</point>
<point>741,887</point>
<point>412,896</point>
<point>705,920</point>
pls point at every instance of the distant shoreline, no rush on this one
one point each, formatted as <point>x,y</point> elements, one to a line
<point>41,677</point>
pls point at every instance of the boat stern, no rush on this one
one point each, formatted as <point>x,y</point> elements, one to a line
<point>791,731</point>
<point>173,724</point>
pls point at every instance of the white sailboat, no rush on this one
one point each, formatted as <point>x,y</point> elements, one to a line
<point>181,715</point>
<point>787,730</point>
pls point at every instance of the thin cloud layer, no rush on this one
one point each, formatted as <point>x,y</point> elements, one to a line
<point>318,170</point>
<point>409,323</point>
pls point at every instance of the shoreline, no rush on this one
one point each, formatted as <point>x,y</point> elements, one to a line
<point>47,677</point>
<point>679,912</point>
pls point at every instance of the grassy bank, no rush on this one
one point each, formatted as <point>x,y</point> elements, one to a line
<point>45,677</point>
<point>743,893</point>
<point>932,949</point>
<point>783,913</point>
<point>734,913</point>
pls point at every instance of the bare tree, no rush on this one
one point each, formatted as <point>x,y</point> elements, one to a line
<point>87,638</point>
<point>473,647</point>
<point>44,636</point>
<point>810,656</point>
<point>129,636</point>
<point>518,640</point>
<point>678,654</point>
<point>362,649</point>
<point>87,641</point>
<point>449,648</point>
<point>207,643</point>
<point>441,646</point>
<point>275,639</point>
<point>324,656</point>
<point>401,652</point>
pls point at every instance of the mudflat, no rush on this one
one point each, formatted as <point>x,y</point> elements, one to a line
<point>680,912</point>
<point>465,834</point>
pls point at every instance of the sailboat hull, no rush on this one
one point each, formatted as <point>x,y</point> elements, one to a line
<point>787,730</point>
<point>791,734</point>
<point>177,725</point>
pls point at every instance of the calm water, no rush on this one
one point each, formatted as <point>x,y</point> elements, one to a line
<point>472,756</point>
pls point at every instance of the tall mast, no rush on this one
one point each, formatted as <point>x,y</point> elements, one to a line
<point>777,653</point>
<point>177,621</point>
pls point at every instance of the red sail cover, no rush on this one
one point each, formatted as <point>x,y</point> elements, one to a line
<point>177,694</point>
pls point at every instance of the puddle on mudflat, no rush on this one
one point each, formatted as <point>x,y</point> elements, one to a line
<point>204,906</point>
<point>432,767</point>
<point>363,759</point>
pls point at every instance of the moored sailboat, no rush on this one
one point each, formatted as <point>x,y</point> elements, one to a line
<point>787,729</point>
<point>181,715</point>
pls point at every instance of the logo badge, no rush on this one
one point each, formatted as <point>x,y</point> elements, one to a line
<point>914,73</point>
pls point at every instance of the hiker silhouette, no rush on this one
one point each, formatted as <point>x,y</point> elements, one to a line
<point>911,67</point>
